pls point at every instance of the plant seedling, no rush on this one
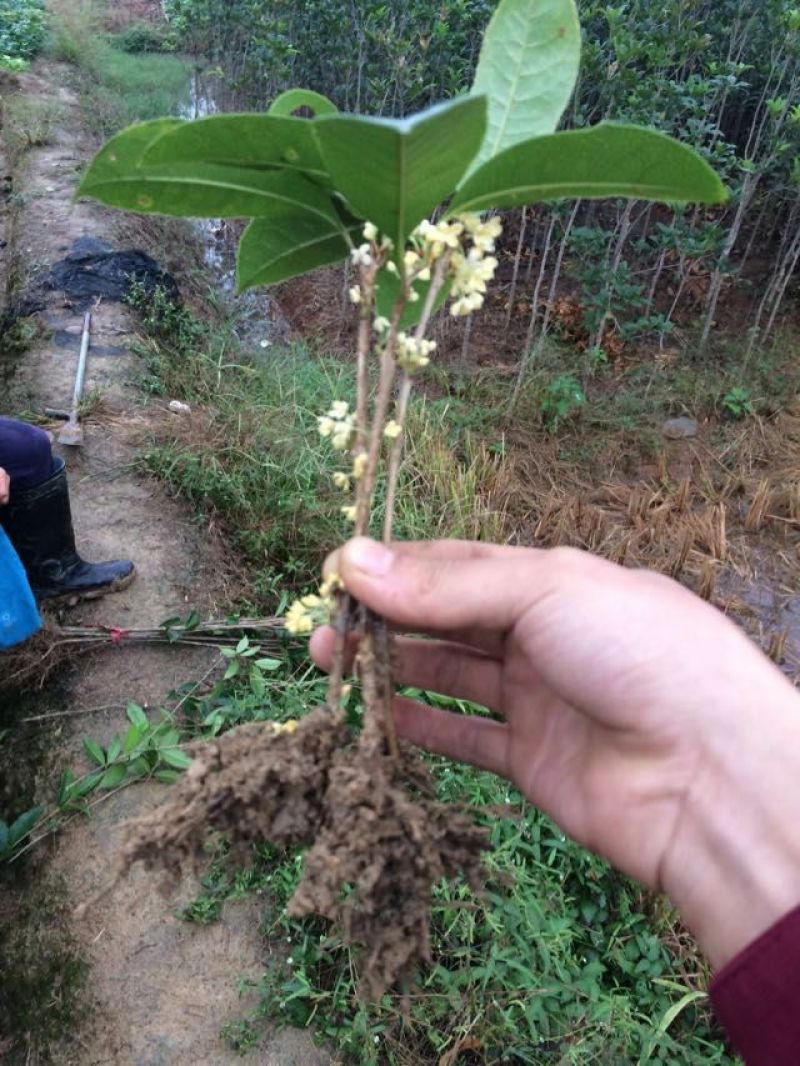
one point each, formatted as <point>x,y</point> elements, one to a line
<point>405,201</point>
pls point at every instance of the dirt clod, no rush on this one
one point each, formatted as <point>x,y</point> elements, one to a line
<point>379,840</point>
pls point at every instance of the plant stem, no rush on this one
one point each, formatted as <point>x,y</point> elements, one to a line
<point>406,385</point>
<point>368,275</point>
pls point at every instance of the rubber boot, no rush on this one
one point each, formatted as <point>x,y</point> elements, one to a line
<point>38,522</point>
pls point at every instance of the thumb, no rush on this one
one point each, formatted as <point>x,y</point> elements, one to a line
<point>425,587</point>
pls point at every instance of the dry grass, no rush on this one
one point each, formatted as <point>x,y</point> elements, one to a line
<point>726,523</point>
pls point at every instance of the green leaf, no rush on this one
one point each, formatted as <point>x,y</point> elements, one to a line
<point>23,825</point>
<point>134,737</point>
<point>167,777</point>
<point>395,172</point>
<point>87,784</point>
<point>3,837</point>
<point>292,99</point>
<point>136,715</point>
<point>607,160</point>
<point>118,178</point>
<point>95,752</point>
<point>114,776</point>
<point>672,1012</point>
<point>65,787</point>
<point>252,141</point>
<point>170,738</point>
<point>527,70</point>
<point>176,758</point>
<point>243,644</point>
<point>114,750</point>
<point>268,664</point>
<point>288,243</point>
<point>232,671</point>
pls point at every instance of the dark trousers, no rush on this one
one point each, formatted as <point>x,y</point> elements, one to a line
<point>25,453</point>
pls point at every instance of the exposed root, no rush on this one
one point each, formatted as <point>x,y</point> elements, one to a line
<point>379,841</point>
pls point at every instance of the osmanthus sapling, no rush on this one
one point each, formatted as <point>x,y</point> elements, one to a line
<point>405,200</point>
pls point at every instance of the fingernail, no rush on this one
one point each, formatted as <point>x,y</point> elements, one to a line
<point>369,556</point>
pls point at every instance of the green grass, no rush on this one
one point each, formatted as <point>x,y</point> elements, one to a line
<point>118,87</point>
<point>260,466</point>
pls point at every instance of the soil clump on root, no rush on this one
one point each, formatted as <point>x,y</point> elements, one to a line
<point>378,839</point>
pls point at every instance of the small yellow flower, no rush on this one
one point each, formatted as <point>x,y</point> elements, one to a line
<point>370,231</point>
<point>355,294</point>
<point>359,466</point>
<point>391,267</point>
<point>341,480</point>
<point>298,620</point>
<point>325,425</point>
<point>381,324</point>
<point>346,690</point>
<point>332,583</point>
<point>339,409</point>
<point>349,513</point>
<point>285,727</point>
<point>392,430</point>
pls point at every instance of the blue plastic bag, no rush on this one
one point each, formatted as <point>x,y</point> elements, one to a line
<point>19,618</point>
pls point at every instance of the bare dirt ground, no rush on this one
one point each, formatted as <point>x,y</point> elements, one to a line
<point>160,989</point>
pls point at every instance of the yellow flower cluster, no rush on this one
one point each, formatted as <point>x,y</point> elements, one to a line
<point>470,273</point>
<point>313,610</point>
<point>413,354</point>
<point>468,240</point>
<point>338,424</point>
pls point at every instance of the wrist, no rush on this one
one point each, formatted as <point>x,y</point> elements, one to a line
<point>733,867</point>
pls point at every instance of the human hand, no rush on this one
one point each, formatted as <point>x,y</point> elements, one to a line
<point>641,720</point>
<point>5,487</point>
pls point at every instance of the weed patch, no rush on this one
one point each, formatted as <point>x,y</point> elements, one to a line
<point>122,80</point>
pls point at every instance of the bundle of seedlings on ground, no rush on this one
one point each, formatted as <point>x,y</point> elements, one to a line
<point>403,201</point>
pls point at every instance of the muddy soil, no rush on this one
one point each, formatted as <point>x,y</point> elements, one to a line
<point>160,988</point>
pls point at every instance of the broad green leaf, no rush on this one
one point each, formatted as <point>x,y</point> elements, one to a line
<point>176,758</point>
<point>527,70</point>
<point>118,178</point>
<point>292,99</point>
<point>94,751</point>
<point>251,141</point>
<point>394,172</point>
<point>23,825</point>
<point>114,776</point>
<point>287,243</point>
<point>607,160</point>
<point>114,750</point>
<point>3,837</point>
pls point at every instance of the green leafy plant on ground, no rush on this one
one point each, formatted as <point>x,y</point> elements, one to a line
<point>22,28</point>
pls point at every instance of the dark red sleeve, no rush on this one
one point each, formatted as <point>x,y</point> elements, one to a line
<point>756,996</point>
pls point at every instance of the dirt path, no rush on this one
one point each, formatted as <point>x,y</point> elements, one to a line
<point>160,988</point>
